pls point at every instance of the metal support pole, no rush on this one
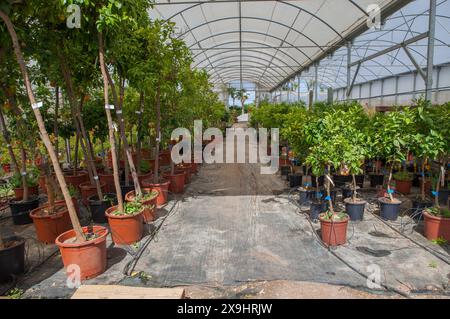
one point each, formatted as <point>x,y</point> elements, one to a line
<point>396,90</point>
<point>316,83</point>
<point>414,84</point>
<point>349,68</point>
<point>430,53</point>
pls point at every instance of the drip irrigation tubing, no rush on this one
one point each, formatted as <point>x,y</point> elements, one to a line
<point>132,263</point>
<point>431,251</point>
<point>385,286</point>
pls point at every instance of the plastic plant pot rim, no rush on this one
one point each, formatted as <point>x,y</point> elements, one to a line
<point>358,201</point>
<point>437,218</point>
<point>148,183</point>
<point>131,196</point>
<point>387,201</point>
<point>19,241</point>
<point>88,185</point>
<point>99,230</point>
<point>30,200</point>
<point>114,208</point>
<point>347,218</point>
<point>34,215</point>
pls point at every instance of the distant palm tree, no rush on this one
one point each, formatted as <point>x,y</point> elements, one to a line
<point>242,95</point>
<point>232,92</point>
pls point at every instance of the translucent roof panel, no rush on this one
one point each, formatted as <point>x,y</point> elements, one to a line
<point>262,41</point>
<point>407,23</point>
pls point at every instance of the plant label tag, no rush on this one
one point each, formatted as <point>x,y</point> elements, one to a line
<point>37,105</point>
<point>329,178</point>
<point>24,173</point>
<point>109,106</point>
<point>119,112</point>
<point>96,178</point>
<point>138,112</point>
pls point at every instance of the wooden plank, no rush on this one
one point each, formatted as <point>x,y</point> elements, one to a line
<point>126,292</point>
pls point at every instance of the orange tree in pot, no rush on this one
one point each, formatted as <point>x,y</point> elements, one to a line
<point>325,150</point>
<point>395,131</point>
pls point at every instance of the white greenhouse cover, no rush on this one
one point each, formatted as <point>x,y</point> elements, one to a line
<point>268,42</point>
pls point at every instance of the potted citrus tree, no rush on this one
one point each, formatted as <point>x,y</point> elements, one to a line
<point>326,152</point>
<point>395,129</point>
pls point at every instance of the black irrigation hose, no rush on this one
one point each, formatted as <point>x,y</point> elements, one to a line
<point>385,286</point>
<point>127,269</point>
<point>431,251</point>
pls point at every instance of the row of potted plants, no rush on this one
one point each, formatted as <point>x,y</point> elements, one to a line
<point>139,63</point>
<point>335,141</point>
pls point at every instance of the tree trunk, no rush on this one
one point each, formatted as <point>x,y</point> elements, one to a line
<point>158,132</point>
<point>7,138</point>
<point>422,184</point>
<point>80,128</point>
<point>110,123</point>
<point>75,159</point>
<point>330,201</point>
<point>55,124</point>
<point>24,173</point>
<point>389,183</point>
<point>44,135</point>
<point>121,121</point>
<point>354,188</point>
<point>139,131</point>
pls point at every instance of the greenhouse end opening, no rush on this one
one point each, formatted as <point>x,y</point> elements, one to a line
<point>243,145</point>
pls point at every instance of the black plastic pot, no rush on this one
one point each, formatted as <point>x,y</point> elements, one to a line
<point>306,195</point>
<point>355,209</point>
<point>12,259</point>
<point>316,208</point>
<point>285,170</point>
<point>389,211</point>
<point>295,180</point>
<point>20,210</point>
<point>341,180</point>
<point>417,207</point>
<point>359,180</point>
<point>376,180</point>
<point>346,192</point>
<point>126,189</point>
<point>321,181</point>
<point>416,180</point>
<point>443,196</point>
<point>98,207</point>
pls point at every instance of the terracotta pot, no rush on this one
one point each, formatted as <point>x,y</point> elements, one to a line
<point>177,181</point>
<point>48,227</point>
<point>76,180</point>
<point>90,256</point>
<point>125,229</point>
<point>194,168</point>
<point>141,177</point>
<point>108,179</point>
<point>334,233</point>
<point>403,187</point>
<point>87,190</point>
<point>162,188</point>
<point>164,158</point>
<point>186,170</point>
<point>284,162</point>
<point>435,227</point>
<point>6,168</point>
<point>149,204</point>
<point>151,163</point>
<point>32,191</point>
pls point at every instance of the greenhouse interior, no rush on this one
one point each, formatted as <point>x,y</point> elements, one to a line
<point>224,149</point>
